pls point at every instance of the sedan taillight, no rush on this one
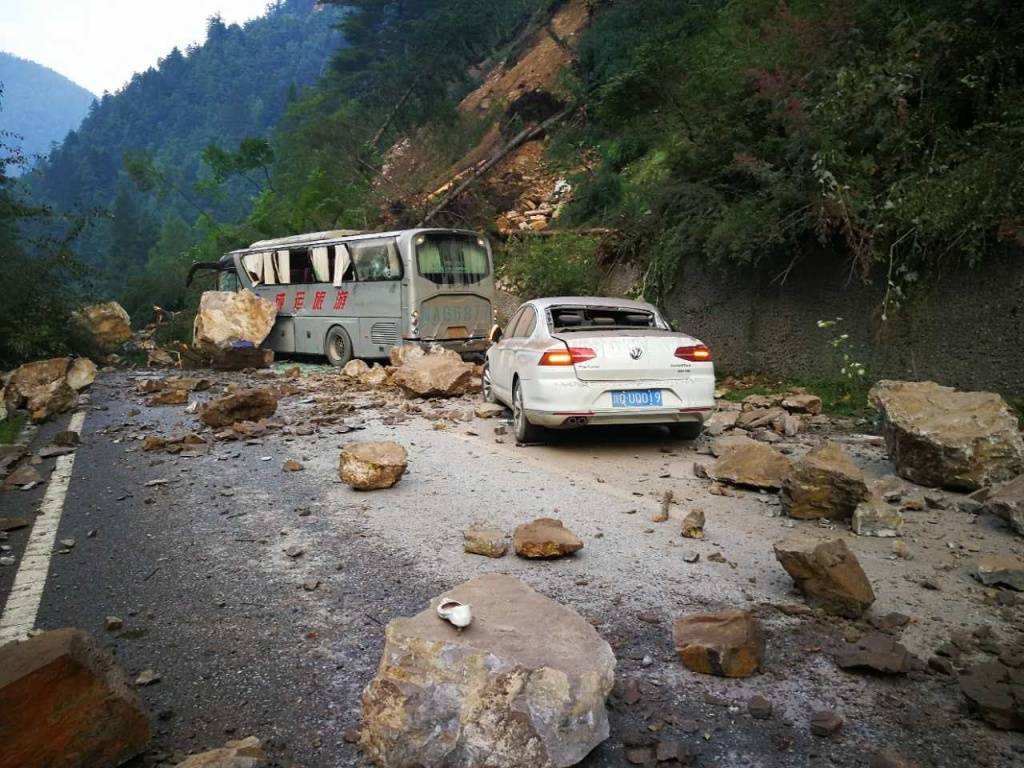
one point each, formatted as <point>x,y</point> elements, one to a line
<point>569,356</point>
<point>697,354</point>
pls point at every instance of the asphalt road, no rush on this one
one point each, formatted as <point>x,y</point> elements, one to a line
<point>248,640</point>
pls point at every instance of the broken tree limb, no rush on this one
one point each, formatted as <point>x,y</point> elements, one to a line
<point>520,139</point>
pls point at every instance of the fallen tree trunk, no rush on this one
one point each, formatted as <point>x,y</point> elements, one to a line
<point>520,139</point>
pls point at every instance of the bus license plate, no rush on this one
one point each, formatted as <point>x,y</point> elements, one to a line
<point>636,398</point>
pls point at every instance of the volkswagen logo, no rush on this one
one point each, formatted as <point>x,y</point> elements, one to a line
<point>636,353</point>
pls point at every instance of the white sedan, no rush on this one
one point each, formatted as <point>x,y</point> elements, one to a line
<point>569,362</point>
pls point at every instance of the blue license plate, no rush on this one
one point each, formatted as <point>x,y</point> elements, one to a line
<point>636,398</point>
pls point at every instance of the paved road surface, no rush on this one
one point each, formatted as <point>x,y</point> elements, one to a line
<point>196,566</point>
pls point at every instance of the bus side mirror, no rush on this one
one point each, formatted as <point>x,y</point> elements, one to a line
<point>495,334</point>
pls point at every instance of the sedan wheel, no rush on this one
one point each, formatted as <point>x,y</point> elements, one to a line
<point>488,385</point>
<point>525,431</point>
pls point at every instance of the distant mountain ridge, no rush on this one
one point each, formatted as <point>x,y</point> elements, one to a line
<point>38,105</point>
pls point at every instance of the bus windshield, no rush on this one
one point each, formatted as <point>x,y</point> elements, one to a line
<point>448,259</point>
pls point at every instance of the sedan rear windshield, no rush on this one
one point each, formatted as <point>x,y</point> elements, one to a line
<point>447,259</point>
<point>567,318</point>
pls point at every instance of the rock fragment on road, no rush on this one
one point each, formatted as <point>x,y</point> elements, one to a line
<point>244,753</point>
<point>545,538</point>
<point>828,574</point>
<point>824,484</point>
<point>243,405</point>
<point>727,644</point>
<point>751,465</point>
<point>485,540</point>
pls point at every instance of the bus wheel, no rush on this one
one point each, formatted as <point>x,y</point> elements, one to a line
<point>338,347</point>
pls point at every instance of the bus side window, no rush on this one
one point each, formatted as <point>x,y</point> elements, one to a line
<point>339,252</point>
<point>376,262</point>
<point>228,282</point>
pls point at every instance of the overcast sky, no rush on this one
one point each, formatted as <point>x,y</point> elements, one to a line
<point>100,43</point>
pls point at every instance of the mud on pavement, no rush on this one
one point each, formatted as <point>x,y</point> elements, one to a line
<point>259,597</point>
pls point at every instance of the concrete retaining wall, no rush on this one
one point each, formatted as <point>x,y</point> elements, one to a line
<point>964,329</point>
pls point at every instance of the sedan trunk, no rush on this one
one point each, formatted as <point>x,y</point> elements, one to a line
<point>629,355</point>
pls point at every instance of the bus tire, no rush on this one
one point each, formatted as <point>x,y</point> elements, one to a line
<point>338,347</point>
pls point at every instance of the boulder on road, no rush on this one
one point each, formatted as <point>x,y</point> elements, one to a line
<point>940,437</point>
<point>824,484</point>
<point>41,388</point>
<point>227,319</point>
<point>372,466</point>
<point>240,358</point>
<point>103,327</point>
<point>243,405</point>
<point>996,693</point>
<point>1007,502</point>
<point>245,753</point>
<point>441,373</point>
<point>727,644</point>
<point>523,687</point>
<point>752,465</point>
<point>65,702</point>
<point>876,652</point>
<point>545,538</point>
<point>722,445</point>
<point>374,377</point>
<point>1000,571</point>
<point>405,353</point>
<point>828,574</point>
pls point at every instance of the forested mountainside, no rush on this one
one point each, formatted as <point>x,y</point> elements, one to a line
<point>886,135</point>
<point>138,156</point>
<point>39,106</point>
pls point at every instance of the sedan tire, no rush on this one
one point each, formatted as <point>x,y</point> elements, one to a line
<point>525,431</point>
<point>488,385</point>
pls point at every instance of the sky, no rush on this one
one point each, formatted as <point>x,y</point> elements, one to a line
<point>100,44</point>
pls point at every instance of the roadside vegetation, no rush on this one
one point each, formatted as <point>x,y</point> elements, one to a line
<point>11,427</point>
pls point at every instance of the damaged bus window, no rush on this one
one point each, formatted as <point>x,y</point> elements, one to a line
<point>447,259</point>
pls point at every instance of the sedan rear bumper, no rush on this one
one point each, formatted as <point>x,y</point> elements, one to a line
<point>571,420</point>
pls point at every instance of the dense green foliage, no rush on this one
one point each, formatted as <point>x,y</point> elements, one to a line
<point>37,269</point>
<point>40,106</point>
<point>566,265</point>
<point>759,132</point>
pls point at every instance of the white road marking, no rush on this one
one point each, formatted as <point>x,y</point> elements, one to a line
<point>19,615</point>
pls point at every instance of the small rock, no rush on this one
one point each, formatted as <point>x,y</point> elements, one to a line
<point>760,708</point>
<point>311,585</point>
<point>825,723</point>
<point>292,466</point>
<point>486,541</point>
<point>693,524</point>
<point>372,466</point>
<point>727,644</point>
<point>488,410</point>
<point>876,518</point>
<point>247,753</point>
<point>147,677</point>
<point>295,551</point>
<point>889,759</point>
<point>876,652</point>
<point>113,623</point>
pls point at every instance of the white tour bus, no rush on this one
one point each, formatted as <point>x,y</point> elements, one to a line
<point>348,294</point>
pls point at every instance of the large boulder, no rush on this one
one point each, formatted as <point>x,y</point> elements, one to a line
<point>727,644</point>
<point>752,465</point>
<point>938,436</point>
<point>227,319</point>
<point>524,686</point>
<point>824,484</point>
<point>245,753</point>
<point>243,405</point>
<point>545,538</point>
<point>372,466</point>
<point>103,327</point>
<point>65,702</point>
<point>441,373</point>
<point>41,388</point>
<point>828,574</point>
<point>1007,501</point>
